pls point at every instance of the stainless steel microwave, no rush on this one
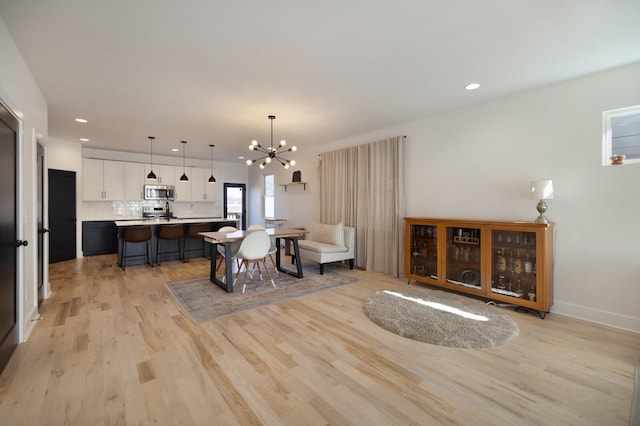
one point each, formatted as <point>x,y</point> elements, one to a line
<point>159,192</point>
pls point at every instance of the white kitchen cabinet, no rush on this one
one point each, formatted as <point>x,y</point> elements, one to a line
<point>134,180</point>
<point>211,190</point>
<point>92,179</point>
<point>166,175</point>
<point>183,188</point>
<point>201,188</point>
<point>102,180</point>
<point>198,184</point>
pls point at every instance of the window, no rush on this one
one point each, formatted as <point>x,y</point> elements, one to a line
<point>269,196</point>
<point>621,134</point>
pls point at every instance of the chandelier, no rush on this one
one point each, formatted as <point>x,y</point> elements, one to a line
<point>272,153</point>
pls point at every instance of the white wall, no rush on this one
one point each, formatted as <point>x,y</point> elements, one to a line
<point>477,163</point>
<point>20,93</point>
<point>298,205</point>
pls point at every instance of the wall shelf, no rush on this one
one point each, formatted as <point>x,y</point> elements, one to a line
<point>304,185</point>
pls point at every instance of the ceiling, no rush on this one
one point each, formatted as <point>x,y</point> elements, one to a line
<point>211,71</point>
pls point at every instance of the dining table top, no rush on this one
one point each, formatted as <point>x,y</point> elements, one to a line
<point>225,237</point>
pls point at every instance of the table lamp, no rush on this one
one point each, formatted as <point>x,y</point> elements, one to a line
<point>541,190</point>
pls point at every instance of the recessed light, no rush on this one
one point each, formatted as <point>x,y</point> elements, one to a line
<point>471,86</point>
<point>241,158</point>
<point>81,120</point>
<point>84,139</point>
<point>175,149</point>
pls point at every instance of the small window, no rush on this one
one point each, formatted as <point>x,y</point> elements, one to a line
<point>269,196</point>
<point>621,135</point>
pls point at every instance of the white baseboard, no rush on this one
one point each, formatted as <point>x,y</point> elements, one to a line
<point>610,319</point>
<point>29,324</point>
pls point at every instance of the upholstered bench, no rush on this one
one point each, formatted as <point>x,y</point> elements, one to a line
<point>328,243</point>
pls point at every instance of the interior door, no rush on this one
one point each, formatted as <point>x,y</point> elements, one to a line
<point>235,202</point>
<point>9,243</point>
<point>40,218</point>
<point>62,215</point>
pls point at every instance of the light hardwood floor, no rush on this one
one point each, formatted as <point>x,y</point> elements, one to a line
<point>114,348</point>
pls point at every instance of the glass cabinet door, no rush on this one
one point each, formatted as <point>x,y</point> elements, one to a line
<point>463,256</point>
<point>424,251</point>
<point>513,264</point>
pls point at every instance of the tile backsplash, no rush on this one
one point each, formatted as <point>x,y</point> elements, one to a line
<point>114,210</point>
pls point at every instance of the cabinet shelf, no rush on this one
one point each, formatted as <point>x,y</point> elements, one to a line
<point>511,262</point>
<point>466,240</point>
<point>304,185</point>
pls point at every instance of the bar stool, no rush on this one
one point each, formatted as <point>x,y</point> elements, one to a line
<point>192,232</point>
<point>136,234</point>
<point>171,232</point>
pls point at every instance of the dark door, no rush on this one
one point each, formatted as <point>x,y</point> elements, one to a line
<point>62,215</point>
<point>9,243</point>
<point>235,202</point>
<point>41,229</point>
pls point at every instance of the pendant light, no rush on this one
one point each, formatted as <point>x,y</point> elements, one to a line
<point>211,178</point>
<point>271,152</point>
<point>151,175</point>
<point>184,177</point>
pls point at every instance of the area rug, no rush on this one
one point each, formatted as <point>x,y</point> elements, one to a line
<point>440,318</point>
<point>202,300</point>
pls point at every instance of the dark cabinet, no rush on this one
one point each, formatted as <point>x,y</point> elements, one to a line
<point>99,237</point>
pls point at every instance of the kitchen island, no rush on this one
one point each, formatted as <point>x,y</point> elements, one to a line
<point>136,253</point>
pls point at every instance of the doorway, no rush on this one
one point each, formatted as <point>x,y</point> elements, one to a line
<point>62,215</point>
<point>235,202</point>
<point>9,243</point>
<point>42,230</point>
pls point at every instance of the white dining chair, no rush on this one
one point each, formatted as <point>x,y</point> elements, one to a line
<point>253,250</point>
<point>272,248</point>
<point>221,249</point>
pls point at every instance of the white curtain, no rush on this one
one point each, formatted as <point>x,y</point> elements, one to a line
<point>363,187</point>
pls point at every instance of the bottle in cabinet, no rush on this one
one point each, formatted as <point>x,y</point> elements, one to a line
<point>517,264</point>
<point>423,261</point>
<point>463,256</point>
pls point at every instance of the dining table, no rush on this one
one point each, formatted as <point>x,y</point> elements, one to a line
<point>227,238</point>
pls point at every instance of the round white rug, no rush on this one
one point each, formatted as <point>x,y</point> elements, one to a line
<point>440,318</point>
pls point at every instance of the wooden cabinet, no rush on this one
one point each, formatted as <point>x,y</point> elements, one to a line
<point>102,180</point>
<point>510,262</point>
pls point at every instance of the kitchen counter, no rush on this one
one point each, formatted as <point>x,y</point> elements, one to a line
<point>173,220</point>
<point>171,250</point>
